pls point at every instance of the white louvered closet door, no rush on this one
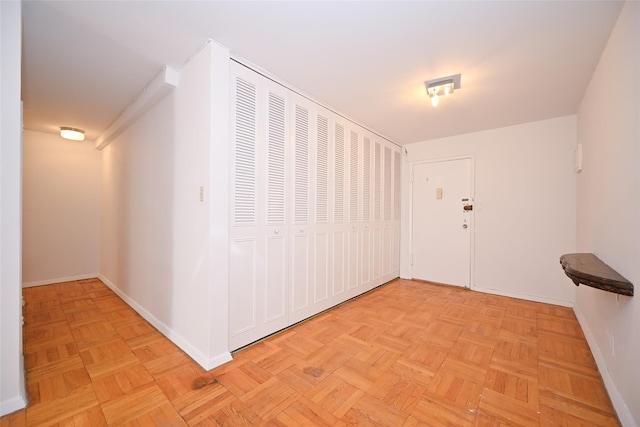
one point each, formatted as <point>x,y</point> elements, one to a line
<point>377,226</point>
<point>312,186</point>
<point>387,209</point>
<point>322,255</point>
<point>366,240</point>
<point>314,206</point>
<point>339,225</point>
<point>395,248</point>
<point>353,237</point>
<point>303,130</point>
<point>276,254</point>
<point>258,261</point>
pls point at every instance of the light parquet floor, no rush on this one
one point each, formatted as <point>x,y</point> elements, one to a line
<point>407,354</point>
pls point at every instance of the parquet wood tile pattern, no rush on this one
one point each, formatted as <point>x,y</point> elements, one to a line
<point>406,354</point>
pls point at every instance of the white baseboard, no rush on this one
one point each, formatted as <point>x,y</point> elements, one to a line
<point>207,363</point>
<point>626,419</point>
<point>526,297</point>
<point>214,362</point>
<point>59,280</point>
<point>11,405</point>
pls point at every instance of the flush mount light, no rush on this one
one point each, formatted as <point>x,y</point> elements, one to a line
<point>443,86</point>
<point>73,134</point>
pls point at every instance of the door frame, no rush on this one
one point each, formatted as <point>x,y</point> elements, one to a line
<point>472,257</point>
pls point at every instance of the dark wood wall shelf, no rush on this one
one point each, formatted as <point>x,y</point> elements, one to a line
<point>588,269</point>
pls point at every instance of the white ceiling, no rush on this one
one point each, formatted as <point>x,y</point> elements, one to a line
<point>84,61</point>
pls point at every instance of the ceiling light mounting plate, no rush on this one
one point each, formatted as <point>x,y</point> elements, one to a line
<point>442,86</point>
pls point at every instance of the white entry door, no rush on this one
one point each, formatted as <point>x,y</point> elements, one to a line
<point>442,222</point>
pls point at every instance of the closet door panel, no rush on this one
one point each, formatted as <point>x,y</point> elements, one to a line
<point>299,273</point>
<point>322,257</point>
<point>377,183</point>
<point>339,287</point>
<point>321,268</point>
<point>352,259</point>
<point>245,271</point>
<point>322,170</point>
<point>354,176</point>
<point>366,240</point>
<point>302,185</point>
<point>395,248</point>
<point>353,237</point>
<point>386,250</point>
<point>243,295</point>
<point>301,163</point>
<point>377,212</point>
<point>340,159</point>
<point>377,254</point>
<point>388,196</point>
<point>276,278</point>
<point>276,159</point>
<point>245,142</point>
<point>275,229</point>
<point>366,270</point>
<point>387,210</point>
<point>339,225</point>
<point>396,185</point>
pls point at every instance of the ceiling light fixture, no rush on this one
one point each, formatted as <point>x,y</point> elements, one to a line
<point>441,87</point>
<point>73,134</point>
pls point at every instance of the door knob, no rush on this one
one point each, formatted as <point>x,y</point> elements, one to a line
<point>464,226</point>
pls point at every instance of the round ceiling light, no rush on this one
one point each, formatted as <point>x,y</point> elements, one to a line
<point>73,134</point>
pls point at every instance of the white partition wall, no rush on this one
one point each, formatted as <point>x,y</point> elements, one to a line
<point>13,395</point>
<point>313,219</point>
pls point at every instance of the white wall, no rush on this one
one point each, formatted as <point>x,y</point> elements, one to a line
<point>137,204</point>
<point>217,198</point>
<point>158,238</point>
<point>609,210</point>
<point>60,209</point>
<point>12,390</point>
<point>524,206</point>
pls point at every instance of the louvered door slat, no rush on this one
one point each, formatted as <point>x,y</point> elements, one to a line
<point>396,186</point>
<point>245,154</point>
<point>322,170</point>
<point>366,180</point>
<point>387,184</point>
<point>276,160</point>
<point>377,183</point>
<point>301,166</point>
<point>338,211</point>
<point>395,250</point>
<point>353,176</point>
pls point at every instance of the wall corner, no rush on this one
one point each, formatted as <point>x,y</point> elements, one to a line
<point>219,203</point>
